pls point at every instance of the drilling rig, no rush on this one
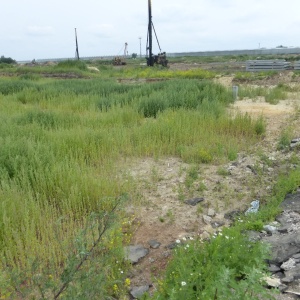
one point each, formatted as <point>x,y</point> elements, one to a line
<point>161,58</point>
<point>76,51</point>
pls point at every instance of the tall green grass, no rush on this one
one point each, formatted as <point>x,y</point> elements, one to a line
<point>62,144</point>
<point>272,95</point>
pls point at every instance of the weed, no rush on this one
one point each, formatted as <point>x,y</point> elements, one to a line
<point>170,216</point>
<point>201,187</point>
<point>284,139</point>
<point>161,219</point>
<point>275,95</point>
<point>223,172</point>
<point>260,126</point>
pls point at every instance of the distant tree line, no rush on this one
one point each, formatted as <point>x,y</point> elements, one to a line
<point>7,60</point>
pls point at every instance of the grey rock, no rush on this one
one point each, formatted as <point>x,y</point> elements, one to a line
<point>292,202</point>
<point>207,219</point>
<point>252,169</point>
<point>283,246</point>
<point>295,272</point>
<point>254,207</point>
<point>135,253</point>
<point>138,291</point>
<point>216,224</point>
<point>296,256</point>
<point>273,268</point>
<point>253,236</point>
<point>154,244</point>
<point>194,201</point>
<point>279,275</point>
<point>289,264</point>
<point>270,229</point>
<point>283,229</point>
<point>211,212</point>
<point>287,279</point>
<point>205,235</point>
<point>172,245</point>
<point>232,215</point>
<point>295,143</point>
<point>282,287</point>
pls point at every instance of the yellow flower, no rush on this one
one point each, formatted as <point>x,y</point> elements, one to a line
<point>127,282</point>
<point>115,288</point>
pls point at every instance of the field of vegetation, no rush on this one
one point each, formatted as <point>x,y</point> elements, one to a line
<point>63,186</point>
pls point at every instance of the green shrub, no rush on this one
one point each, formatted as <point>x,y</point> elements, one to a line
<point>275,94</point>
<point>284,139</point>
<point>7,60</point>
<point>260,126</point>
<point>151,106</point>
<point>13,86</point>
<point>226,267</point>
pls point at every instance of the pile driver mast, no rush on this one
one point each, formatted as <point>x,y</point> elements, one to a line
<point>76,52</point>
<point>153,59</point>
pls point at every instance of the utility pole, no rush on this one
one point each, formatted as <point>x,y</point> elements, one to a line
<point>77,52</point>
<point>140,47</point>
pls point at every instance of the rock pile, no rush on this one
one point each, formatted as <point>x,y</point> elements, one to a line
<point>283,236</point>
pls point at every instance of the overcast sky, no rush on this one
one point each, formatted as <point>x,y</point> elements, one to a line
<point>45,29</point>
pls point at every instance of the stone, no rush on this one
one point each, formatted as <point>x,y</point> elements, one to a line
<point>282,288</point>
<point>254,207</point>
<point>253,235</point>
<point>283,229</point>
<point>211,212</point>
<point>273,268</point>
<point>296,256</point>
<point>288,265</point>
<point>273,282</point>
<point>287,279</point>
<point>292,202</point>
<point>216,224</point>
<point>135,253</point>
<point>232,215</point>
<point>154,244</point>
<point>194,201</point>
<point>283,247</point>
<point>205,235</point>
<point>295,272</point>
<point>270,229</point>
<point>172,245</point>
<point>295,142</point>
<point>138,291</point>
<point>207,219</point>
<point>252,169</point>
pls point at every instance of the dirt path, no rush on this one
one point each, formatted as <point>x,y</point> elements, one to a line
<point>163,215</point>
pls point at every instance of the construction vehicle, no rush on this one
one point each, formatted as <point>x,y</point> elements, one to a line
<point>118,61</point>
<point>161,58</point>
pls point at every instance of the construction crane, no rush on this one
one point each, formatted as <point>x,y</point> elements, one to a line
<point>125,50</point>
<point>161,58</point>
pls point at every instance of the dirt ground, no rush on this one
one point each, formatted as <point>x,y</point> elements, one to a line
<point>163,216</point>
